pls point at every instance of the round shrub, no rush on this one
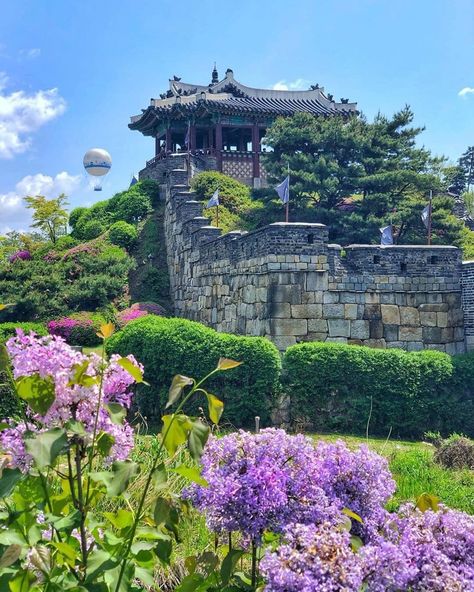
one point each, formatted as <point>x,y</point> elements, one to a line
<point>78,329</point>
<point>344,387</point>
<point>455,452</point>
<point>123,234</point>
<point>92,229</point>
<point>176,346</point>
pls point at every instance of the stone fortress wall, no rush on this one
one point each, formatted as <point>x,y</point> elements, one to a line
<point>287,283</point>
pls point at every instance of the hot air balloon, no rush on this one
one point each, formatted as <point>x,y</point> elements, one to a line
<point>97,163</point>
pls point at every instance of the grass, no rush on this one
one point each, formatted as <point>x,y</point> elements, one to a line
<point>415,472</point>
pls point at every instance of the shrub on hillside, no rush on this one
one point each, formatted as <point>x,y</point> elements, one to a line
<point>78,329</point>
<point>138,310</point>
<point>342,387</point>
<point>92,229</point>
<point>176,346</point>
<point>123,234</point>
<point>456,452</point>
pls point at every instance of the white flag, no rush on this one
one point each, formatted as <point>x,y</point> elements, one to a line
<point>283,190</point>
<point>214,201</point>
<point>425,215</point>
<point>387,236</point>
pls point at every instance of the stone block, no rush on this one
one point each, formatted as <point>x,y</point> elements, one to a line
<point>428,319</point>
<point>284,342</point>
<point>350,311</point>
<point>334,311</point>
<point>281,310</point>
<point>434,306</point>
<point>372,312</point>
<point>376,329</point>
<point>442,319</point>
<point>306,311</point>
<point>360,330</point>
<point>339,328</point>
<point>447,334</point>
<point>331,297</point>
<point>336,340</point>
<point>395,344</point>
<point>285,293</point>
<point>316,281</point>
<point>390,332</point>
<point>249,294</point>
<point>390,314</point>
<point>410,334</point>
<point>414,345</point>
<point>409,316</point>
<point>355,342</point>
<point>377,343</point>
<point>431,335</point>
<point>318,325</point>
<point>288,327</point>
<point>347,298</point>
<point>316,336</point>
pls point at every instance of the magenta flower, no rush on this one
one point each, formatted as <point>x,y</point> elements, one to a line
<point>22,255</point>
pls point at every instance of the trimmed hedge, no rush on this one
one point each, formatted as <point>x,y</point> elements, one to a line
<point>8,403</point>
<point>337,387</point>
<point>177,346</point>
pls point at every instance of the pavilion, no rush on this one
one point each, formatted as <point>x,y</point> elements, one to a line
<point>225,121</point>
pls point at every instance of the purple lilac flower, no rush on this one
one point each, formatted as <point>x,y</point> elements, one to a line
<point>51,356</point>
<point>260,482</point>
<point>359,480</point>
<point>313,559</point>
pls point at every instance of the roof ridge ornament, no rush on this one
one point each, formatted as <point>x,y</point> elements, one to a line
<point>215,75</point>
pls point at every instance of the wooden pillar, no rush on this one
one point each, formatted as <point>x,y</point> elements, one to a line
<point>210,134</point>
<point>192,137</point>
<point>219,146</point>
<point>157,145</point>
<point>241,140</point>
<point>255,151</point>
<point>168,146</point>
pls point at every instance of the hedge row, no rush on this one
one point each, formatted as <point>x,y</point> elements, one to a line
<point>176,346</point>
<point>336,387</point>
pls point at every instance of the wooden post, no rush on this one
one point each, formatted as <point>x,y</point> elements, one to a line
<point>430,209</point>
<point>255,152</point>
<point>169,147</point>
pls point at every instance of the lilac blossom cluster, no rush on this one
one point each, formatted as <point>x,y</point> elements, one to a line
<point>286,484</point>
<point>52,357</point>
<point>22,255</point>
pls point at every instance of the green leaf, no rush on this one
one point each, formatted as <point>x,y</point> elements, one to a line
<point>117,479</point>
<point>69,522</point>
<point>98,562</point>
<point>216,407</point>
<point>356,543</point>
<point>11,554</point>
<point>117,412</point>
<point>135,372</point>
<point>197,439</point>
<point>190,583</point>
<point>146,576</point>
<point>40,558</point>
<point>38,392</point>
<point>4,358</point>
<point>46,446</point>
<point>163,550</point>
<point>179,383</point>
<point>121,519</point>
<point>67,551</point>
<point>80,376</point>
<point>427,501</point>
<point>22,581</point>
<point>191,474</point>
<point>176,428</point>
<point>228,564</point>
<point>105,442</point>
<point>227,364</point>
<point>352,515</point>
<point>9,478</point>
<point>161,512</point>
<point>160,477</point>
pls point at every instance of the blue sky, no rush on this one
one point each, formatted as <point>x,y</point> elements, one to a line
<point>72,73</point>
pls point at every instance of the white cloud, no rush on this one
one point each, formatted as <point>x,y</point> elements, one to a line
<point>30,54</point>
<point>298,84</point>
<point>13,212</point>
<point>21,114</point>
<point>467,90</point>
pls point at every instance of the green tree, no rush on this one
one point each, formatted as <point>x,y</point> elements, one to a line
<point>49,215</point>
<point>356,176</point>
<point>466,163</point>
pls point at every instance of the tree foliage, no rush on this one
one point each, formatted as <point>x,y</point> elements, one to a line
<point>466,164</point>
<point>357,176</point>
<point>49,215</point>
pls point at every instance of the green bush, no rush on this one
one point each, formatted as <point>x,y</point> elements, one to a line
<point>340,387</point>
<point>9,404</point>
<point>92,229</point>
<point>176,346</point>
<point>123,234</point>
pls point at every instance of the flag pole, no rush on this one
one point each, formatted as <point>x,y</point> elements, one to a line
<point>288,201</point>
<point>430,208</point>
